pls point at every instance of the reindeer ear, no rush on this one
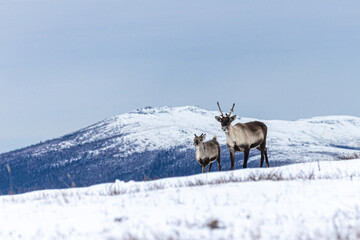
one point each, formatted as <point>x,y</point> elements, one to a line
<point>203,136</point>
<point>218,118</point>
<point>195,135</point>
<point>232,118</point>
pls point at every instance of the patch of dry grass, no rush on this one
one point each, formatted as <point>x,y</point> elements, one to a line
<point>251,176</point>
<point>347,156</point>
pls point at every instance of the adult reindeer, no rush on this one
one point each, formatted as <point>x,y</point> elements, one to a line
<point>242,137</point>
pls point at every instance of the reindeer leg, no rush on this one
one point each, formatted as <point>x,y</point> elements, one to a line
<point>266,158</point>
<point>262,150</point>
<point>246,156</point>
<point>232,156</point>
<point>210,166</point>
<point>202,168</point>
<point>218,161</point>
<point>262,159</point>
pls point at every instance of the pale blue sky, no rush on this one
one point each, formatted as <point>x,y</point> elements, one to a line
<point>67,64</point>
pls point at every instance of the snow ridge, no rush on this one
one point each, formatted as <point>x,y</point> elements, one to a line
<point>162,128</point>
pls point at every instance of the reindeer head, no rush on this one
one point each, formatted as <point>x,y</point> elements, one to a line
<point>199,139</point>
<point>226,119</point>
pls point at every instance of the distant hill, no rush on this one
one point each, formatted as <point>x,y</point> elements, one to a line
<point>157,142</point>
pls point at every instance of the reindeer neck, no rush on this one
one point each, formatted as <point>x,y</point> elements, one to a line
<point>201,146</point>
<point>230,129</point>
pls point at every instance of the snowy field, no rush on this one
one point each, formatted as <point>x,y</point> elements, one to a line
<point>319,200</point>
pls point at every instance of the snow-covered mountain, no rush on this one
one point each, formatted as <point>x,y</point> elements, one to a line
<point>157,142</point>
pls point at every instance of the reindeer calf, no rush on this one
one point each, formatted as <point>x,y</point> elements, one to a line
<point>207,152</point>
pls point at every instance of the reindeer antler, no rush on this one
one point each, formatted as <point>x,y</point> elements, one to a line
<point>231,110</point>
<point>220,109</point>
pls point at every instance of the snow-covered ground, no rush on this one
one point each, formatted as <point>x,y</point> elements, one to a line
<point>318,200</point>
